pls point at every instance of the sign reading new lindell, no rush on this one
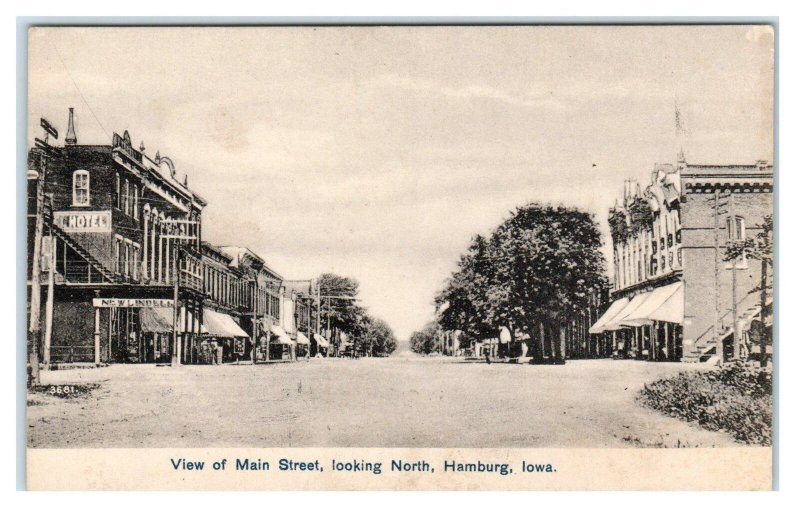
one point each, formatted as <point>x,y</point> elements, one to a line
<point>133,303</point>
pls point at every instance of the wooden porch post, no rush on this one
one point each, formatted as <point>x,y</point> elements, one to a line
<point>97,335</point>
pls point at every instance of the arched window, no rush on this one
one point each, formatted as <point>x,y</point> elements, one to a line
<point>80,188</point>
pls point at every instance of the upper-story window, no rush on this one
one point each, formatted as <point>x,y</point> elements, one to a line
<point>737,232</point>
<point>127,197</point>
<point>117,193</point>
<point>136,202</point>
<point>736,229</point>
<point>80,188</point>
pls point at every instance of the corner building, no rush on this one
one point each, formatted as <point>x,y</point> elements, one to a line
<point>673,293</point>
<point>121,231</point>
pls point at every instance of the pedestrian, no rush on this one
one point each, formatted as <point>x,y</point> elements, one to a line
<point>486,353</point>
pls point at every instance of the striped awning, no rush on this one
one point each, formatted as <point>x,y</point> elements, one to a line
<point>612,311</point>
<point>662,304</point>
<point>221,325</point>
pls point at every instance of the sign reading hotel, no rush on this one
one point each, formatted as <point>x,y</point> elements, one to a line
<point>133,303</point>
<point>83,222</point>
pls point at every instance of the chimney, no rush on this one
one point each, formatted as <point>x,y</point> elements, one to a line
<point>71,139</point>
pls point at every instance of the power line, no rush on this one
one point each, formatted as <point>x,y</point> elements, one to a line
<point>78,88</point>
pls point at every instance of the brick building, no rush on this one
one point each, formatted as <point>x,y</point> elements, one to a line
<point>120,231</point>
<point>673,295</point>
<point>127,275</point>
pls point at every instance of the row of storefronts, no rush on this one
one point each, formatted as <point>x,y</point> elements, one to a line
<point>128,277</point>
<point>675,294</point>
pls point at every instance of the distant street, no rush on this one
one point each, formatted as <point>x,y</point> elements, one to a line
<point>394,402</point>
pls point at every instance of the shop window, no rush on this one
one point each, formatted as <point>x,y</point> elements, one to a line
<point>80,188</point>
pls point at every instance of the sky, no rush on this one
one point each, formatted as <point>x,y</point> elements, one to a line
<point>377,152</point>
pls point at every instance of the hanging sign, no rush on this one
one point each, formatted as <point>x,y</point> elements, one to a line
<point>133,303</point>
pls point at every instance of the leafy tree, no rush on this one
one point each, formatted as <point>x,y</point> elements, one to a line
<point>548,266</point>
<point>462,304</point>
<point>424,340</point>
<point>537,269</point>
<point>341,314</point>
<point>376,338</point>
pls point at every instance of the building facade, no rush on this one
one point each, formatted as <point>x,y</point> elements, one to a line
<point>121,231</point>
<point>124,268</point>
<point>673,293</point>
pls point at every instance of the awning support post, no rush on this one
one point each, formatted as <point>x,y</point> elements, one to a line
<point>96,335</point>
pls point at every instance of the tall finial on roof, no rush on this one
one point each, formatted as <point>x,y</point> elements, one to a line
<point>141,147</point>
<point>71,139</point>
<point>186,180</point>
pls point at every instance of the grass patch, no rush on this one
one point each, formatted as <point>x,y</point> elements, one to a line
<point>736,398</point>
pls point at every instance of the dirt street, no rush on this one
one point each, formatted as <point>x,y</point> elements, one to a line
<point>394,402</point>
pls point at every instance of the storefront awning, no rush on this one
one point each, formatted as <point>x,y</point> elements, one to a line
<point>611,312</point>
<point>648,310</point>
<point>321,341</point>
<point>302,340</point>
<point>279,336</point>
<point>671,310</point>
<point>156,320</point>
<point>221,325</point>
<point>634,303</point>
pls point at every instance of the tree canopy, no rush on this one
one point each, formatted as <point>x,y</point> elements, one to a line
<point>340,309</point>
<point>424,340</point>
<point>539,266</point>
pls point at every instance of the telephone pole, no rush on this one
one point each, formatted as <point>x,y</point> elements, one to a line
<point>34,326</point>
<point>717,337</point>
<point>734,236</point>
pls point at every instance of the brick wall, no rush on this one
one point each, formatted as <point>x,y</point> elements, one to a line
<point>697,216</point>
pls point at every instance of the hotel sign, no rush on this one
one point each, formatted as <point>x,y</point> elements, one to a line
<point>83,222</point>
<point>133,303</point>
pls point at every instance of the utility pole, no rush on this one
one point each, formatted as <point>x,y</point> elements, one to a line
<point>48,315</point>
<point>176,357</point>
<point>255,319</point>
<point>319,308</point>
<point>34,327</point>
<point>734,236</point>
<point>717,337</point>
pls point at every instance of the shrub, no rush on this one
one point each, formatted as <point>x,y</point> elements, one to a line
<point>736,398</point>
